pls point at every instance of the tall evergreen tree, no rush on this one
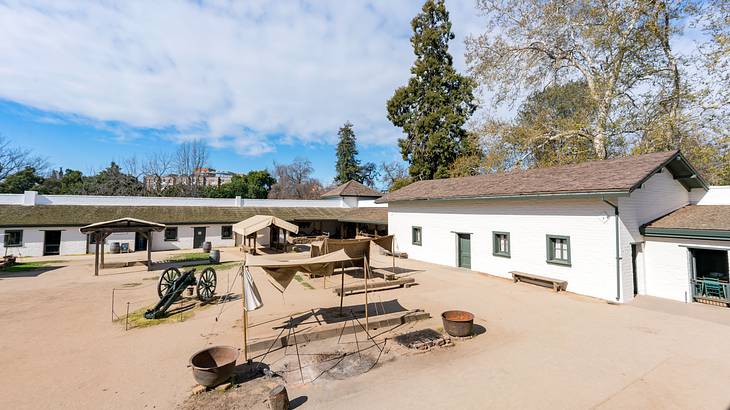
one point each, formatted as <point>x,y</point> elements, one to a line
<point>437,101</point>
<point>348,166</point>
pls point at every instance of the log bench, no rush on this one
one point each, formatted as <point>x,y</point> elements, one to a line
<point>556,284</point>
<point>376,285</point>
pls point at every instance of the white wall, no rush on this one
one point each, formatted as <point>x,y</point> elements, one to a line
<point>73,242</point>
<point>666,262</point>
<point>716,195</point>
<point>588,222</point>
<point>185,238</point>
<point>658,196</point>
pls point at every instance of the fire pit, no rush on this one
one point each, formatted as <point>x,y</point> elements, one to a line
<point>458,323</point>
<point>214,365</point>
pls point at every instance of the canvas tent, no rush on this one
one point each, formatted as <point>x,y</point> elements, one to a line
<point>281,272</point>
<point>249,227</point>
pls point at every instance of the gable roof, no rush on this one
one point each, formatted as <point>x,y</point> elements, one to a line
<point>699,221</point>
<point>352,188</point>
<point>615,176</point>
<point>82,215</point>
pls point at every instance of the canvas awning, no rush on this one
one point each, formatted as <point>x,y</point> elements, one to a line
<point>259,222</point>
<point>281,272</point>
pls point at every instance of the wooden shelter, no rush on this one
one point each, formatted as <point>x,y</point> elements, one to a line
<point>101,230</point>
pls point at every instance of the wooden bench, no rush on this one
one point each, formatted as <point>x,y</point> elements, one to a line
<point>556,284</point>
<point>376,285</point>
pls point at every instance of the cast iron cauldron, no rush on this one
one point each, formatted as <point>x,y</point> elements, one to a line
<point>214,365</point>
<point>458,323</point>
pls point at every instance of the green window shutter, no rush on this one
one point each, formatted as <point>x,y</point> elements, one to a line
<point>501,245</point>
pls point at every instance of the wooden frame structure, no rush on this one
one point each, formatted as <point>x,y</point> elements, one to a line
<point>101,230</point>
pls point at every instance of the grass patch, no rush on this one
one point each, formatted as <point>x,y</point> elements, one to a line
<point>137,319</point>
<point>28,266</point>
<point>217,267</point>
<point>302,281</point>
<point>192,256</point>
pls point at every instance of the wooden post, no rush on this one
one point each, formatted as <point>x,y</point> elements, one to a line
<point>365,267</point>
<point>149,250</point>
<point>278,398</point>
<point>103,239</point>
<point>96,254</point>
<point>245,312</point>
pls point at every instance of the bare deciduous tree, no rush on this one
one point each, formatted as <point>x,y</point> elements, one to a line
<point>294,181</point>
<point>14,159</point>
<point>620,49</point>
<point>189,157</point>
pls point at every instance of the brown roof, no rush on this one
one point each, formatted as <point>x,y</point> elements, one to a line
<point>375,215</point>
<point>621,175</point>
<point>696,217</point>
<point>352,188</point>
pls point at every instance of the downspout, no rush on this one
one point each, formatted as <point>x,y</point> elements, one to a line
<point>618,249</point>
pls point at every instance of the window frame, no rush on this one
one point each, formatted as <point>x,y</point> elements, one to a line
<point>495,245</point>
<point>6,243</point>
<point>418,229</point>
<point>230,232</point>
<point>550,249</point>
<point>171,228</point>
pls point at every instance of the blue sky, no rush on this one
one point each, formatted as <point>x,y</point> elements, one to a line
<point>85,83</point>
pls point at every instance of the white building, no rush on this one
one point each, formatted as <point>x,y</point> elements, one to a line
<point>34,225</point>
<point>599,225</point>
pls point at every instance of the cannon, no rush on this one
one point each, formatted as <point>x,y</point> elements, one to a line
<point>172,284</point>
<point>204,286</point>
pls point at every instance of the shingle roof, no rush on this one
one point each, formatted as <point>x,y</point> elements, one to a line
<point>615,175</point>
<point>352,188</point>
<point>378,216</point>
<point>81,215</point>
<point>698,217</point>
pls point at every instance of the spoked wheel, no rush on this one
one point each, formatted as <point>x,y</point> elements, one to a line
<point>206,285</point>
<point>167,278</point>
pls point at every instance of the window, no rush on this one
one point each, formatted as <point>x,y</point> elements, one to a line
<point>226,232</point>
<point>558,249</point>
<point>171,234</point>
<point>13,238</point>
<point>500,244</point>
<point>416,235</point>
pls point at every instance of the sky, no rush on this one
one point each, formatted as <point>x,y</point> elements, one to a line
<point>85,83</point>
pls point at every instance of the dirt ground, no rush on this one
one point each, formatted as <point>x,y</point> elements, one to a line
<point>540,349</point>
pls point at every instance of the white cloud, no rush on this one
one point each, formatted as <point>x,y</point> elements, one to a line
<point>248,75</point>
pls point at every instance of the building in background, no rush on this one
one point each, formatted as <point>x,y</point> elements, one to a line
<point>202,177</point>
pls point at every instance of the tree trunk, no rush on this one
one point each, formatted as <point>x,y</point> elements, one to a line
<point>278,398</point>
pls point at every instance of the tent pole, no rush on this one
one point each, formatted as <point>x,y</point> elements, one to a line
<point>342,288</point>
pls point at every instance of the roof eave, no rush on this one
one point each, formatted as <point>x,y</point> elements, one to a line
<point>678,155</point>
<point>555,195</point>
<point>684,233</point>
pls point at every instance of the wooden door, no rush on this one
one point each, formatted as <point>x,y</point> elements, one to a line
<point>464,245</point>
<point>198,237</point>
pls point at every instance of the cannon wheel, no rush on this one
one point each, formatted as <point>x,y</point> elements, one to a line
<point>206,284</point>
<point>166,280</point>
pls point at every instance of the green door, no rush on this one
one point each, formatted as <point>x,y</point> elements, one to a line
<point>464,250</point>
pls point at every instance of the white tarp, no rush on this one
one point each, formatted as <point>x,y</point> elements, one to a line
<point>251,293</point>
<point>259,222</point>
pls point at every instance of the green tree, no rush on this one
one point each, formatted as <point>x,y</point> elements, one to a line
<point>255,185</point>
<point>348,166</point>
<point>20,181</point>
<point>433,108</point>
<point>113,182</point>
<point>63,182</point>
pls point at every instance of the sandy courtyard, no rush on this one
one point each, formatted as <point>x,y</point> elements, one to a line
<point>540,350</point>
